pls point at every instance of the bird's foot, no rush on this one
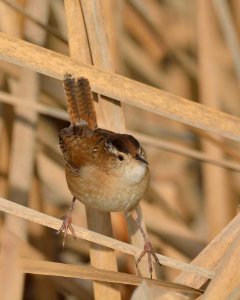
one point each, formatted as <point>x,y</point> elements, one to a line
<point>67,225</point>
<point>148,249</point>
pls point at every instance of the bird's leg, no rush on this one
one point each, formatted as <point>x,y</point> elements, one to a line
<point>67,224</point>
<point>148,249</point>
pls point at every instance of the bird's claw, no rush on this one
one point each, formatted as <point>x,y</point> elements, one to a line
<point>148,249</point>
<point>67,224</point>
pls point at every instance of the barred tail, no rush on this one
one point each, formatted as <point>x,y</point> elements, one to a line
<point>85,102</point>
<point>72,108</point>
<point>80,104</point>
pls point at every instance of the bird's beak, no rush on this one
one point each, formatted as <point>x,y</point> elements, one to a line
<point>138,157</point>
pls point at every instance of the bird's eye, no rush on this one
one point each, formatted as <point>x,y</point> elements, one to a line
<point>120,157</point>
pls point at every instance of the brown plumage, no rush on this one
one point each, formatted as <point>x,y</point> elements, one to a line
<point>72,108</point>
<point>85,102</point>
<point>105,170</point>
<point>100,153</point>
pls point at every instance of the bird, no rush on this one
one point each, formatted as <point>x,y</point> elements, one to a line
<point>105,170</point>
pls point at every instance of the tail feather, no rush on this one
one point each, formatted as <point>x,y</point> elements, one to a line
<point>72,108</point>
<point>80,104</point>
<point>85,102</point>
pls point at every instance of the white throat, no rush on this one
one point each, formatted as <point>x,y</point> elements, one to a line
<point>134,173</point>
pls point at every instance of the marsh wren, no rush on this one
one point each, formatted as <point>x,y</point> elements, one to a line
<point>105,170</point>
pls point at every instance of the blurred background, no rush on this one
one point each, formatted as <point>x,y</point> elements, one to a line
<point>187,48</point>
